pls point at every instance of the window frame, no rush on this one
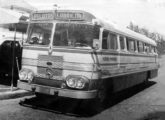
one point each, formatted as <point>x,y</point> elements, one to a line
<point>113,41</point>
<point>104,39</point>
<point>140,47</point>
<point>124,47</point>
<point>130,44</point>
<point>107,39</point>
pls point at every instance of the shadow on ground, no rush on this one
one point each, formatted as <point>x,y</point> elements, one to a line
<point>158,115</point>
<point>7,81</point>
<point>82,108</point>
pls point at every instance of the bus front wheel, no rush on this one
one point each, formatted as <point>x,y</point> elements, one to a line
<point>103,97</point>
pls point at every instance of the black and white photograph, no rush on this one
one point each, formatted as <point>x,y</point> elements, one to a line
<point>82,60</point>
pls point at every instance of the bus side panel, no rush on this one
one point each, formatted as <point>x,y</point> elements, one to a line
<point>153,73</point>
<point>126,81</point>
<point>132,69</point>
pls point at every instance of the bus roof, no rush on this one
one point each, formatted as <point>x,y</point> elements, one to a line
<point>80,15</point>
<point>126,32</point>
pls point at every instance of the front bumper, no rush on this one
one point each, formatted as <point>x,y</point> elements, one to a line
<point>57,91</point>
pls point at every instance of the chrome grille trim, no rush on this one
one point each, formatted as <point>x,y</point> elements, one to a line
<point>45,76</point>
<point>50,58</point>
<point>60,65</point>
<point>54,64</point>
<point>57,72</point>
<point>44,67</point>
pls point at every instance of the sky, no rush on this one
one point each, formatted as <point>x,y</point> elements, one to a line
<point>145,13</point>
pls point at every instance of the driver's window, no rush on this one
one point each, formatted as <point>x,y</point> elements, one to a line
<point>40,33</point>
<point>40,38</point>
<point>73,35</point>
<point>35,38</point>
<point>46,39</point>
<point>61,38</point>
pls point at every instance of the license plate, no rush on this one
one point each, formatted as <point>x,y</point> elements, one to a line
<point>43,90</point>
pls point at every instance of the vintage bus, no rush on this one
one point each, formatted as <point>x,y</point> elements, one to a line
<point>73,54</point>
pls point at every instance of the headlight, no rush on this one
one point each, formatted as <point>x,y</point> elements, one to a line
<point>78,82</point>
<point>26,74</point>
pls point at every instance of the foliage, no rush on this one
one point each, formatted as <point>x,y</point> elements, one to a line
<point>159,38</point>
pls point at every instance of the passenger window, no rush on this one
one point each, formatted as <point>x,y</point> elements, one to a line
<point>153,49</point>
<point>135,46</point>
<point>146,47</point>
<point>112,39</point>
<point>105,40</point>
<point>130,45</point>
<point>121,42</point>
<point>140,46</point>
<point>150,49</point>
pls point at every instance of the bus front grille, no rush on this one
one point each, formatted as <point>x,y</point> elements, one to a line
<point>49,66</point>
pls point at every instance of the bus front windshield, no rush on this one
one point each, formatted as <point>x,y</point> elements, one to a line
<point>40,33</point>
<point>73,35</point>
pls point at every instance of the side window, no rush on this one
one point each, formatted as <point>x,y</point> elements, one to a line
<point>135,45</point>
<point>140,46</point>
<point>146,46</point>
<point>150,49</point>
<point>130,45</point>
<point>153,49</point>
<point>121,42</point>
<point>105,40</point>
<point>112,39</point>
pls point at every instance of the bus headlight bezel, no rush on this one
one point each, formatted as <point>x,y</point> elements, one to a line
<point>26,74</point>
<point>77,81</point>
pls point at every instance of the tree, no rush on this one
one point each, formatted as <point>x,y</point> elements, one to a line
<point>160,39</point>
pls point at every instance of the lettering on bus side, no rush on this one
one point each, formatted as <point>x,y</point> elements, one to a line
<point>109,59</point>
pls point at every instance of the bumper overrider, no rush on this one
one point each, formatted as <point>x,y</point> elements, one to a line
<point>78,94</point>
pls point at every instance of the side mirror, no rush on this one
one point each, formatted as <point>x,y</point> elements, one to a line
<point>96,44</point>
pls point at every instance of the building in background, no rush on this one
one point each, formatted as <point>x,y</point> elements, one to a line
<point>11,12</point>
<point>17,5</point>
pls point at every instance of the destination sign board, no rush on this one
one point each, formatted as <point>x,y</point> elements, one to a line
<point>69,15</point>
<point>57,15</point>
<point>42,16</point>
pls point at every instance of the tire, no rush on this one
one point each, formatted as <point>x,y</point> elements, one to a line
<point>147,78</point>
<point>105,93</point>
<point>102,94</point>
<point>103,101</point>
<point>96,105</point>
